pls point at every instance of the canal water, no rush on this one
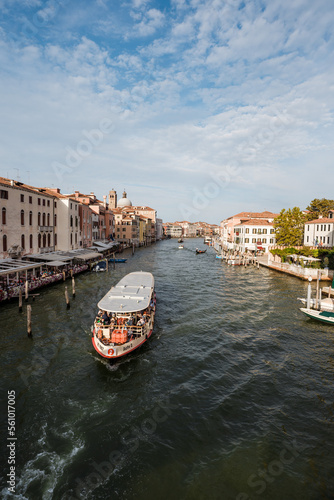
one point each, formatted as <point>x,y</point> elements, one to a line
<point>232,397</point>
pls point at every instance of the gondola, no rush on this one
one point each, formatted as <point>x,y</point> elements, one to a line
<point>200,251</point>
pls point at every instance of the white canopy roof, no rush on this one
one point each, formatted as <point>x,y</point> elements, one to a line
<point>133,293</point>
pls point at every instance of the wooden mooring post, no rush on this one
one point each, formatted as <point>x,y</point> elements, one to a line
<point>29,321</point>
<point>66,298</point>
<point>26,291</point>
<point>20,300</point>
<point>73,286</point>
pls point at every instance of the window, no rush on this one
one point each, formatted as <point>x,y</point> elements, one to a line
<point>48,220</point>
<point>30,200</point>
<point>49,240</point>
<point>22,242</point>
<point>44,240</point>
<point>317,227</point>
<point>264,240</point>
<point>43,203</point>
<point>271,240</point>
<point>48,203</point>
<point>39,241</point>
<point>55,219</point>
<point>329,228</point>
<point>71,222</point>
<point>321,228</point>
<point>30,218</point>
<point>55,204</point>
<point>253,240</point>
<point>71,206</point>
<point>44,219</point>
<point>247,230</point>
<point>259,231</point>
<point>254,231</point>
<point>246,240</point>
<point>3,194</point>
<point>307,239</point>
<point>264,231</point>
<point>4,216</point>
<point>39,218</point>
<point>38,201</point>
<point>71,238</point>
<point>76,221</point>
<point>22,219</point>
<point>328,240</point>
<point>56,239</point>
<point>22,199</point>
<point>4,243</point>
<point>308,227</point>
<point>272,231</point>
<point>30,242</point>
<point>76,238</point>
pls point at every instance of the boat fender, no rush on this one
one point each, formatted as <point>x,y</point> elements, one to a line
<point>111,352</point>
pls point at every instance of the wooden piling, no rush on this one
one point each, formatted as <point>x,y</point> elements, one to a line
<point>20,299</point>
<point>133,248</point>
<point>29,321</point>
<point>64,276</point>
<point>73,286</point>
<point>26,291</point>
<point>318,285</point>
<point>66,298</point>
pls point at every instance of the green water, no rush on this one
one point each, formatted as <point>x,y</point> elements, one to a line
<point>232,397</point>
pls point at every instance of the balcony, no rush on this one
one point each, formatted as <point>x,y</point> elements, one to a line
<point>45,229</point>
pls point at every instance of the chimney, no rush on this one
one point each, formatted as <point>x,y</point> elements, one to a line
<point>76,194</point>
<point>105,201</point>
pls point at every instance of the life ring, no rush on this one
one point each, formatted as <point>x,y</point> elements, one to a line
<point>111,352</point>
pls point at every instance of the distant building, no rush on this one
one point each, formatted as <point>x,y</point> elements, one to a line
<point>320,232</point>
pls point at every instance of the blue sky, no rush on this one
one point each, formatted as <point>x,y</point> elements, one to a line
<point>199,108</point>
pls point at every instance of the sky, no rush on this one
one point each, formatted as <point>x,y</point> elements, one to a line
<point>198,108</point>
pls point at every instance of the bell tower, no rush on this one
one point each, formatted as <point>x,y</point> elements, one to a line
<point>112,199</point>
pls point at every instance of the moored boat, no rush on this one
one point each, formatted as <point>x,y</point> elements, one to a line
<point>118,260</point>
<point>200,251</point>
<point>324,316</point>
<point>126,316</point>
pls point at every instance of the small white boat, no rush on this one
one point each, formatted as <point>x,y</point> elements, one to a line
<point>126,317</point>
<point>181,247</point>
<point>324,316</point>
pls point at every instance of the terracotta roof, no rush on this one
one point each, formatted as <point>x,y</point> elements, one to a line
<point>22,185</point>
<point>255,222</point>
<point>254,215</point>
<point>324,220</point>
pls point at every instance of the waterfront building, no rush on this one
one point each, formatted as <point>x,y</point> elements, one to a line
<point>67,225</point>
<point>229,237</point>
<point>172,229</point>
<point>158,229</point>
<point>253,235</point>
<point>320,232</point>
<point>27,219</point>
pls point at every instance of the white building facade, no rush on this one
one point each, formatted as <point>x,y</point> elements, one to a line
<point>320,232</point>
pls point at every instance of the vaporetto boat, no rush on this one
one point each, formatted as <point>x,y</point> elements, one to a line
<point>126,316</point>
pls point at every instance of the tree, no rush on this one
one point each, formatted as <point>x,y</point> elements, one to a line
<point>319,207</point>
<point>289,227</point>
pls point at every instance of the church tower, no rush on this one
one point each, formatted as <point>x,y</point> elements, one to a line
<point>112,199</point>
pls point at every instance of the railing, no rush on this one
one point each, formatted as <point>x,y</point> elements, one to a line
<point>45,228</point>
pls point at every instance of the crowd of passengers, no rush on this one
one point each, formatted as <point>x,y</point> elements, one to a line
<point>126,320</point>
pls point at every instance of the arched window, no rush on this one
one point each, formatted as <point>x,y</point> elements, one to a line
<point>39,241</point>
<point>39,218</point>
<point>48,219</point>
<point>71,221</point>
<point>4,243</point>
<point>44,240</point>
<point>22,241</point>
<point>30,218</point>
<point>22,218</point>
<point>49,239</point>
<point>44,219</point>
<point>4,216</point>
<point>30,242</point>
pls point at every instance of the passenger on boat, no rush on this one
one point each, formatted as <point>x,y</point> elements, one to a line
<point>141,322</point>
<point>106,319</point>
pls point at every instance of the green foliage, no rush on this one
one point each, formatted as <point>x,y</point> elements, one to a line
<point>326,256</point>
<point>319,207</point>
<point>289,227</point>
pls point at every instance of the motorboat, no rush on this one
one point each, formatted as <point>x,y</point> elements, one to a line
<point>126,316</point>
